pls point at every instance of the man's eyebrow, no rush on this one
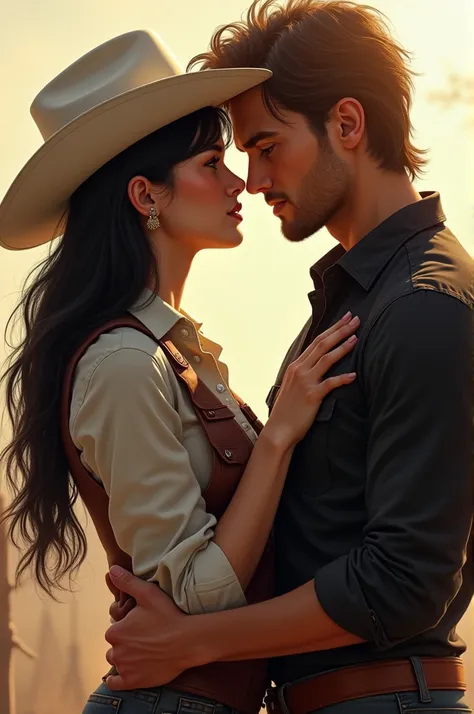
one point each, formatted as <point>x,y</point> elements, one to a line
<point>253,141</point>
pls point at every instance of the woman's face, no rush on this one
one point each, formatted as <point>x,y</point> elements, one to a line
<point>203,210</point>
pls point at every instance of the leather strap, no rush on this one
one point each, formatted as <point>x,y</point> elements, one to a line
<point>367,680</point>
<point>226,437</point>
<point>238,685</point>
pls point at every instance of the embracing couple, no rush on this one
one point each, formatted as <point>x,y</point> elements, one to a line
<point>327,552</point>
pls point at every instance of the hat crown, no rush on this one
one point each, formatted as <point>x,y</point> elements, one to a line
<point>119,65</point>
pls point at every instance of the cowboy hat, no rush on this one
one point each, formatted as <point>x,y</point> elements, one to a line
<point>100,105</point>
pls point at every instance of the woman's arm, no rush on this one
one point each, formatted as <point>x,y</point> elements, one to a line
<point>124,419</point>
<point>131,437</point>
<point>243,530</point>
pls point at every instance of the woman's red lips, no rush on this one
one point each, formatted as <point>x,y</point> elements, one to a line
<point>234,213</point>
<point>236,208</point>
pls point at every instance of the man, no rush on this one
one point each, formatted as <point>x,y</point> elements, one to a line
<point>372,533</point>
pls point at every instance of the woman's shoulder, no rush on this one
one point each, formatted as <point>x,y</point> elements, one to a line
<point>119,357</point>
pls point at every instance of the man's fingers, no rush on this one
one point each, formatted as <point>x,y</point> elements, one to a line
<point>109,656</point>
<point>115,592</point>
<point>130,584</point>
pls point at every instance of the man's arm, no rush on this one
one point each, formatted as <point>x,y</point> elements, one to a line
<point>417,374</point>
<point>147,645</point>
<point>286,625</point>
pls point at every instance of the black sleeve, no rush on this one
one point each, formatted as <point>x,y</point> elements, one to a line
<point>417,369</point>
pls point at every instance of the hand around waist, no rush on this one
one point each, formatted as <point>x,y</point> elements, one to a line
<point>147,643</point>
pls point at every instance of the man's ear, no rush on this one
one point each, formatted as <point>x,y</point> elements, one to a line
<point>347,123</point>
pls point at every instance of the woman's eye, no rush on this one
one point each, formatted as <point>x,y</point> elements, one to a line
<point>267,151</point>
<point>213,162</point>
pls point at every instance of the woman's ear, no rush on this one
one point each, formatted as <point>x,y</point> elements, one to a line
<point>140,194</point>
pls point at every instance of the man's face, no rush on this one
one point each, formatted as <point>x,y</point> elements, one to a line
<point>300,175</point>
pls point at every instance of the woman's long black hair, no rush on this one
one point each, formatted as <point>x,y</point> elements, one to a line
<point>95,272</point>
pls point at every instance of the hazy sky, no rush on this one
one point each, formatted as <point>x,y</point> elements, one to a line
<point>252,299</point>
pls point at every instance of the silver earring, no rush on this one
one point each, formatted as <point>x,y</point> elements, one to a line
<point>153,221</point>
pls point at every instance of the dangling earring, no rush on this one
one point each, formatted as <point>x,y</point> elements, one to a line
<point>153,222</point>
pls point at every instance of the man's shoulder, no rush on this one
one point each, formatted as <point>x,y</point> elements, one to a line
<point>433,260</point>
<point>438,261</point>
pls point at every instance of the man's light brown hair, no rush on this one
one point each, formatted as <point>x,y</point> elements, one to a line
<point>320,52</point>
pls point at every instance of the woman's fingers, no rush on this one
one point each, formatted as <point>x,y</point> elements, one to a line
<point>328,343</point>
<point>337,326</point>
<point>119,608</point>
<point>328,359</point>
<point>331,383</point>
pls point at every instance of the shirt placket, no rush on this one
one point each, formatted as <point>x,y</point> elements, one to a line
<point>206,367</point>
<point>325,301</point>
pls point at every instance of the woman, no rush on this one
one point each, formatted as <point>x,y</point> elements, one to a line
<point>151,430</point>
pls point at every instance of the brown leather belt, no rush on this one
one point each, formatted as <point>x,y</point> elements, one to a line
<point>367,680</point>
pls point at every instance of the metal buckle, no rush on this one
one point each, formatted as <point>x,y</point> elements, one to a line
<point>269,700</point>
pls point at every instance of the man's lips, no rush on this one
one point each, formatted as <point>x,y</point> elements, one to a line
<point>278,207</point>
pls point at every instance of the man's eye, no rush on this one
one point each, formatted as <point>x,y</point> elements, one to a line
<point>267,151</point>
<point>213,162</point>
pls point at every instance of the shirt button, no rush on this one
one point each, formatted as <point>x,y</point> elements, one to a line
<point>184,332</point>
<point>220,388</point>
<point>197,359</point>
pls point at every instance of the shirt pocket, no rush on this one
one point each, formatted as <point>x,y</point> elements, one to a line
<point>310,470</point>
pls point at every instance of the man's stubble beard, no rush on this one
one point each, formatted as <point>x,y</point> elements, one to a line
<point>324,192</point>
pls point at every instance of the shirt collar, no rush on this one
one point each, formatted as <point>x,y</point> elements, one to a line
<point>365,261</point>
<point>160,318</point>
<point>155,313</point>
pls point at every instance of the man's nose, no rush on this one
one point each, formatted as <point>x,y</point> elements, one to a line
<point>258,182</point>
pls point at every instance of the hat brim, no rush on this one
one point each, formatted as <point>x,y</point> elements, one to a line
<point>38,198</point>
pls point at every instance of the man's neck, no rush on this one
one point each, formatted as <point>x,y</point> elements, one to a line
<point>376,196</point>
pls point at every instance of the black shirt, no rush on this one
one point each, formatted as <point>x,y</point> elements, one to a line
<point>378,502</point>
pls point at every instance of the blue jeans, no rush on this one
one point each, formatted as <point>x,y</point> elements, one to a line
<point>156,700</point>
<point>442,702</point>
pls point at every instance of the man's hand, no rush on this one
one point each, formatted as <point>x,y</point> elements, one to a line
<point>156,641</point>
<point>148,645</point>
<point>122,603</point>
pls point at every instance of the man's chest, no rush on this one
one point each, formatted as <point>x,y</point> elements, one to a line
<point>327,475</point>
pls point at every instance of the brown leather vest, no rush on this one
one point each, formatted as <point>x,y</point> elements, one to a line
<point>239,685</point>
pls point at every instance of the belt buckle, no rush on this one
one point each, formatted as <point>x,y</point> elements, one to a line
<point>279,693</point>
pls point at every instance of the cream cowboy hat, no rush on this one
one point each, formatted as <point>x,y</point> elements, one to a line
<point>104,102</point>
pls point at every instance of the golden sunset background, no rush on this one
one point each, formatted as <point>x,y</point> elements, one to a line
<point>253,299</point>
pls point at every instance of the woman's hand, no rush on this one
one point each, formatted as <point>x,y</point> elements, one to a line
<point>304,387</point>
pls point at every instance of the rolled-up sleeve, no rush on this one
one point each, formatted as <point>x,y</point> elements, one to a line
<point>131,438</point>
<point>417,373</point>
